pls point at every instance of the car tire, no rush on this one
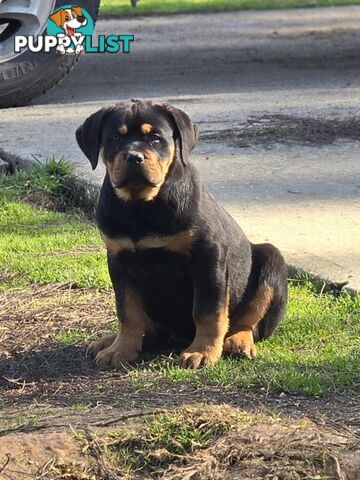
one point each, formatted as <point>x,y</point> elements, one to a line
<point>31,74</point>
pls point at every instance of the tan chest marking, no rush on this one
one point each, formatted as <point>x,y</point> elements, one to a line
<point>114,246</point>
<point>179,243</point>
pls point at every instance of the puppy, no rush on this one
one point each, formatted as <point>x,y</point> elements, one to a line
<point>179,263</point>
<point>69,19</point>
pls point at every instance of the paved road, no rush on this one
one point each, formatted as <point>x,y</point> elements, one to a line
<point>288,80</point>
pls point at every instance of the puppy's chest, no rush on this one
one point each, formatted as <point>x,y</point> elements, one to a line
<point>177,243</point>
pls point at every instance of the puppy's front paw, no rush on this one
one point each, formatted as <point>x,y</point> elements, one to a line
<point>240,344</point>
<point>61,49</point>
<point>104,342</point>
<point>114,356</point>
<point>79,49</point>
<point>197,359</point>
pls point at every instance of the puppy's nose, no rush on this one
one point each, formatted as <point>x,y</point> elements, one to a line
<point>81,19</point>
<point>136,158</point>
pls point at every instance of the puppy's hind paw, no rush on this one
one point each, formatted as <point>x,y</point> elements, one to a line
<point>240,344</point>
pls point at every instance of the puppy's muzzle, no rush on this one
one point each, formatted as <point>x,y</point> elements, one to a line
<point>134,158</point>
<point>134,174</point>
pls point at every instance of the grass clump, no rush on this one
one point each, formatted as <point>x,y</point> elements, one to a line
<point>164,439</point>
<point>51,185</point>
<point>72,337</point>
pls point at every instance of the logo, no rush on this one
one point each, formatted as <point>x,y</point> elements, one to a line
<point>70,30</point>
<point>70,25</point>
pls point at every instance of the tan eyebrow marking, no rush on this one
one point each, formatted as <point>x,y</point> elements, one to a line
<point>123,129</point>
<point>146,128</point>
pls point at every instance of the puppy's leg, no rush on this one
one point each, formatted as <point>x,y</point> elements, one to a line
<point>210,310</point>
<point>261,315</point>
<point>133,323</point>
<point>241,338</point>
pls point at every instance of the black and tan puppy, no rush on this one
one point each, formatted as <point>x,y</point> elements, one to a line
<point>179,263</point>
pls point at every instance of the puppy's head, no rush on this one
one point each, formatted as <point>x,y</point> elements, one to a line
<point>139,143</point>
<point>72,17</point>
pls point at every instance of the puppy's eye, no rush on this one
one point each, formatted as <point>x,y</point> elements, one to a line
<point>155,139</point>
<point>67,17</point>
<point>115,138</point>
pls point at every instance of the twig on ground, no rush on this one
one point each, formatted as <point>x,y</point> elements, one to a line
<point>6,463</point>
<point>98,455</point>
<point>126,417</point>
<point>338,472</point>
<point>45,469</point>
<point>27,427</point>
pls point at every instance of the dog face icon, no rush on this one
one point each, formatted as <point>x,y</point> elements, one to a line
<point>69,19</point>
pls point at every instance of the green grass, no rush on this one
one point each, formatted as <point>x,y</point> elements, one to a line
<point>45,247</point>
<point>316,350</point>
<point>72,337</point>
<point>148,7</point>
<point>42,246</point>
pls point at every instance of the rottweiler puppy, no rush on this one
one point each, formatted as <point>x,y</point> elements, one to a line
<point>179,263</point>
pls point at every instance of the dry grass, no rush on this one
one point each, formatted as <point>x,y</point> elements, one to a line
<point>217,443</point>
<point>272,129</point>
<point>43,339</point>
<point>56,310</point>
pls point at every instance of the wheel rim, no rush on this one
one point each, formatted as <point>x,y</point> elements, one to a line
<point>21,17</point>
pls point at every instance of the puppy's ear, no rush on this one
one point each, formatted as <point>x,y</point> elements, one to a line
<point>88,135</point>
<point>78,11</point>
<point>57,18</point>
<point>185,131</point>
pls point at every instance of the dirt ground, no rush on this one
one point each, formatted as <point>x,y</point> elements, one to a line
<point>56,407</point>
<point>288,451</point>
<point>269,130</point>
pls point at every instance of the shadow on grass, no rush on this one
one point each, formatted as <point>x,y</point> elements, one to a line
<point>66,375</point>
<point>65,379</point>
<point>47,363</point>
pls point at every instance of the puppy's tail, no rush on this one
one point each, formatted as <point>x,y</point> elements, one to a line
<point>270,270</point>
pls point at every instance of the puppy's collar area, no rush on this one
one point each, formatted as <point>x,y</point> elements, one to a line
<point>153,185</point>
